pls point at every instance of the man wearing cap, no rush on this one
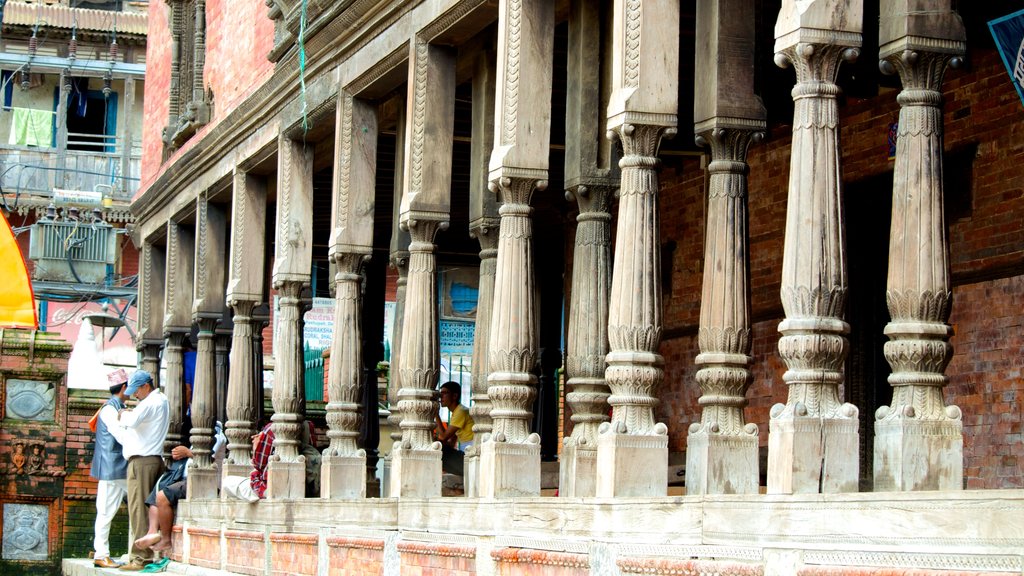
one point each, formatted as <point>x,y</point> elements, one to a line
<point>145,429</point>
<point>109,467</point>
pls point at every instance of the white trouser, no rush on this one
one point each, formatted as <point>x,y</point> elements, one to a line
<point>238,487</point>
<point>109,495</point>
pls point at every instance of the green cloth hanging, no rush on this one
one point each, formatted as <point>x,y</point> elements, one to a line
<point>31,127</point>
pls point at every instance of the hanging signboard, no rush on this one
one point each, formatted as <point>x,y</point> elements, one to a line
<point>1008,33</point>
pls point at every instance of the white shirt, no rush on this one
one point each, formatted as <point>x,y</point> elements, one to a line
<point>108,414</point>
<point>146,426</point>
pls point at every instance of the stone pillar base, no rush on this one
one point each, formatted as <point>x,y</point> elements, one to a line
<point>722,463</point>
<point>510,469</point>
<point>385,476</point>
<point>343,477</point>
<point>229,469</point>
<point>415,473</point>
<point>632,465</point>
<point>201,483</point>
<point>471,473</point>
<point>577,475</point>
<point>810,454</point>
<point>286,480</point>
<point>913,454</point>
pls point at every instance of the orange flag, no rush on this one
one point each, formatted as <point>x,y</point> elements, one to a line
<point>17,306</point>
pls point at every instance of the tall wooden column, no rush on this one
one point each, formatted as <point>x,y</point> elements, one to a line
<point>813,439</point>
<point>286,473</point>
<point>177,324</point>
<point>343,472</point>
<point>722,450</point>
<point>632,451</point>
<point>591,179</point>
<point>207,311</point>
<point>244,293</point>
<point>510,457</point>
<point>430,115</point>
<point>152,278</point>
<point>918,439</point>
<point>398,258</point>
<point>484,223</point>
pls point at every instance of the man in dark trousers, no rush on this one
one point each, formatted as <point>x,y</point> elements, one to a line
<point>109,467</point>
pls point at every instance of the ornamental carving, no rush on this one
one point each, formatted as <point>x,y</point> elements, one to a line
<point>30,400</point>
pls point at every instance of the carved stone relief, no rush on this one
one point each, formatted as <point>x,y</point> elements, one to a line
<point>25,532</point>
<point>30,400</point>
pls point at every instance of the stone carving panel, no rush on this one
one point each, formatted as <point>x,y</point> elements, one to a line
<point>25,532</point>
<point>30,400</point>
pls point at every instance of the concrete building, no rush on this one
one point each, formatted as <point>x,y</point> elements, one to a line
<point>734,375</point>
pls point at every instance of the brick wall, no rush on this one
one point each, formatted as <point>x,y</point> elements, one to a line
<point>293,554</point>
<point>239,37</point>
<point>204,547</point>
<point>355,556</point>
<point>984,142</point>
<point>515,561</point>
<point>437,559</point>
<point>246,552</point>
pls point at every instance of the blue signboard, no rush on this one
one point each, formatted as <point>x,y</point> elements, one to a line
<point>1008,32</point>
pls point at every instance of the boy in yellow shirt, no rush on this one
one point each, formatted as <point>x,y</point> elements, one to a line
<point>458,435</point>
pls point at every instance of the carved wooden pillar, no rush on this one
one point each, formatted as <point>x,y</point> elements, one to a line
<point>722,450</point>
<point>152,280</point>
<point>484,223</point>
<point>207,311</point>
<point>425,208</point>
<point>244,292</point>
<point>222,350</point>
<point>632,452</point>
<point>813,441</point>
<point>591,179</point>
<point>177,324</point>
<point>510,457</point>
<point>286,472</point>
<point>399,260</point>
<point>343,472</point>
<point>918,439</point>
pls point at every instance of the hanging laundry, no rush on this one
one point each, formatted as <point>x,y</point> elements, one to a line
<point>30,127</point>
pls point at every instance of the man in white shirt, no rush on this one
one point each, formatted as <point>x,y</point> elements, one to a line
<point>109,468</point>
<point>145,429</point>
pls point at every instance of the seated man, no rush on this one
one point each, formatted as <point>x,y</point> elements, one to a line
<point>170,488</point>
<point>254,487</point>
<point>458,434</point>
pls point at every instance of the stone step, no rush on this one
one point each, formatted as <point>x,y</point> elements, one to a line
<point>84,567</point>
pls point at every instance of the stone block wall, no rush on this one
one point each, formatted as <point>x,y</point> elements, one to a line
<point>984,143</point>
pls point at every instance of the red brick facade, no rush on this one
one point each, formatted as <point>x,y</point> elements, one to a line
<point>239,36</point>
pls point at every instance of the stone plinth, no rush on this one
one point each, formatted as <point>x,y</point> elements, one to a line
<point>343,476</point>
<point>202,483</point>
<point>416,473</point>
<point>721,464</point>
<point>633,464</point>
<point>510,469</point>
<point>286,480</point>
<point>912,454</point>
<point>813,454</point>
<point>577,476</point>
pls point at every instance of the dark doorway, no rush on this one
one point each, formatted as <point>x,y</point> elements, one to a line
<point>868,215</point>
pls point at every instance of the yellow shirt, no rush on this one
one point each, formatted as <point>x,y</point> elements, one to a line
<point>461,419</point>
